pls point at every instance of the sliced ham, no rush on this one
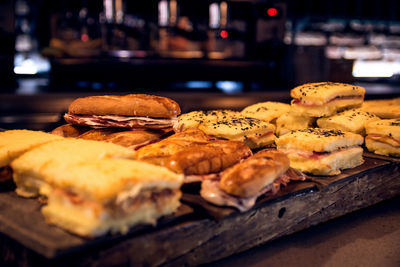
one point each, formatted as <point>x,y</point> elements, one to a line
<point>119,121</point>
<point>211,191</point>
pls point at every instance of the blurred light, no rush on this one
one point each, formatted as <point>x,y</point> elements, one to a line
<point>229,86</point>
<point>214,16</point>
<point>375,69</point>
<point>84,37</point>
<point>272,12</point>
<point>163,13</point>
<point>198,84</point>
<point>224,34</point>
<point>108,10</point>
<point>31,64</point>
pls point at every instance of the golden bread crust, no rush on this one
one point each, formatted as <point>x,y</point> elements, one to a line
<point>388,127</point>
<point>254,132</point>
<point>353,120</point>
<point>195,118</point>
<point>69,130</point>
<point>322,92</point>
<point>14,143</point>
<point>318,140</point>
<point>208,158</point>
<point>128,139</point>
<point>247,178</point>
<point>292,121</point>
<point>384,108</point>
<point>266,111</point>
<point>158,153</point>
<point>140,105</point>
<point>382,148</point>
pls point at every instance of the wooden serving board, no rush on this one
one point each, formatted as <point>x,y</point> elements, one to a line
<point>199,232</point>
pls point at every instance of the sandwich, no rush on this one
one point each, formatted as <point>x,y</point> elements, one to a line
<point>14,143</point>
<point>267,111</point>
<point>195,118</point>
<point>253,132</point>
<point>240,186</point>
<point>353,120</point>
<point>383,108</point>
<point>203,161</point>
<point>128,111</point>
<point>133,139</point>
<point>108,195</point>
<point>383,137</point>
<point>292,121</point>
<point>325,98</point>
<point>160,152</point>
<point>321,151</point>
<point>65,154</point>
<point>69,130</point>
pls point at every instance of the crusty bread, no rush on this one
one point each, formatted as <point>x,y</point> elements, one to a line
<point>266,111</point>
<point>128,105</point>
<point>353,120</point>
<point>384,137</point>
<point>326,98</point>
<point>326,163</point>
<point>131,139</point>
<point>14,143</point>
<point>383,108</point>
<point>212,157</point>
<point>69,130</point>
<point>382,148</point>
<point>254,132</point>
<point>63,154</point>
<point>389,127</point>
<point>318,140</point>
<point>253,174</point>
<point>292,121</point>
<point>159,153</point>
<point>195,118</point>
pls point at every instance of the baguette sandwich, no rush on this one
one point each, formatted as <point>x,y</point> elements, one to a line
<point>129,111</point>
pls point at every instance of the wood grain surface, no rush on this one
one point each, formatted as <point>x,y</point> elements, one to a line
<point>199,232</point>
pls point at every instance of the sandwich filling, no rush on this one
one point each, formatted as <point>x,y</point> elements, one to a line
<point>390,140</point>
<point>301,102</point>
<point>212,192</point>
<point>88,217</point>
<point>119,121</point>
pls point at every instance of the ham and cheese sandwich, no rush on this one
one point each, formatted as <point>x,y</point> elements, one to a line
<point>325,98</point>
<point>240,186</point>
<point>353,120</point>
<point>253,132</point>
<point>128,111</point>
<point>321,151</point>
<point>64,154</point>
<point>105,195</point>
<point>14,143</point>
<point>383,137</point>
<point>267,111</point>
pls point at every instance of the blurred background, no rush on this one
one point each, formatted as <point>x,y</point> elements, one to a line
<point>204,46</point>
<point>232,45</point>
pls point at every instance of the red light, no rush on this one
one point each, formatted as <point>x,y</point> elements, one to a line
<point>272,12</point>
<point>84,37</point>
<point>224,34</point>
